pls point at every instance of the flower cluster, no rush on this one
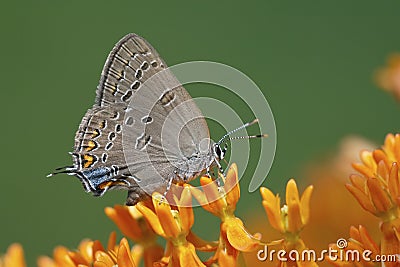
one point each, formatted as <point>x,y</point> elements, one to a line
<point>377,190</point>
<point>92,253</point>
<point>388,77</point>
<point>147,220</point>
<point>376,187</point>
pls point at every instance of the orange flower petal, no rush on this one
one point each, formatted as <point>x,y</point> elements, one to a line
<point>267,195</point>
<point>272,207</point>
<point>362,198</point>
<point>14,256</point>
<point>305,204</point>
<point>364,170</point>
<point>232,188</point>
<point>292,193</point>
<point>379,156</point>
<point>185,210</point>
<point>359,182</point>
<point>137,254</point>
<point>389,147</point>
<point>294,217</point>
<point>200,197</point>
<point>122,217</point>
<point>390,244</point>
<point>216,200</point>
<point>388,77</point>
<point>393,181</point>
<point>103,260</point>
<point>165,216</point>
<point>368,159</point>
<point>293,203</point>
<point>112,241</point>
<point>355,233</point>
<point>96,247</point>
<point>44,261</point>
<point>86,250</point>
<point>238,236</point>
<point>183,256</point>
<point>61,257</point>
<point>367,240</point>
<point>151,218</point>
<point>382,172</point>
<point>124,254</point>
<point>379,197</point>
<point>77,258</point>
<point>396,148</point>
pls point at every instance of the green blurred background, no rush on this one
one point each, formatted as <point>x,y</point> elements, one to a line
<point>314,61</point>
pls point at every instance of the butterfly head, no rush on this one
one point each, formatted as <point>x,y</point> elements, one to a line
<point>219,152</point>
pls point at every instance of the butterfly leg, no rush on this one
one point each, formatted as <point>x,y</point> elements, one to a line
<point>220,170</point>
<point>208,173</point>
<point>135,194</point>
<point>169,184</point>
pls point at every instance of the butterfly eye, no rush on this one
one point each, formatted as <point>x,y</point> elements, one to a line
<point>218,152</point>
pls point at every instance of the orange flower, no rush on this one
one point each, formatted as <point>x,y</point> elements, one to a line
<point>88,254</point>
<point>328,175</point>
<point>376,188</point>
<point>60,258</point>
<point>14,257</point>
<point>84,256</point>
<point>134,226</point>
<point>389,153</point>
<point>353,252</point>
<point>121,256</point>
<point>221,201</point>
<point>174,224</point>
<point>289,219</point>
<point>388,78</point>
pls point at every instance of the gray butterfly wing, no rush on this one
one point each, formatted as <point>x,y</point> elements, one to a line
<point>98,154</point>
<point>169,125</point>
<point>135,66</point>
<point>130,63</point>
<point>97,151</point>
<point>144,129</point>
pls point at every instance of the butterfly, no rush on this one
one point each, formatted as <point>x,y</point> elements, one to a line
<point>144,132</point>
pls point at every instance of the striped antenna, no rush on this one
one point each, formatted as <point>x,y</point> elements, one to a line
<point>248,137</point>
<point>237,129</point>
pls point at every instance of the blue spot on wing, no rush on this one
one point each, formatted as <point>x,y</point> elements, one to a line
<point>95,177</point>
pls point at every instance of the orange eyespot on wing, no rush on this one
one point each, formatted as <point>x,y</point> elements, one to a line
<point>95,133</point>
<point>110,183</point>
<point>88,160</point>
<point>105,185</point>
<point>90,146</point>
